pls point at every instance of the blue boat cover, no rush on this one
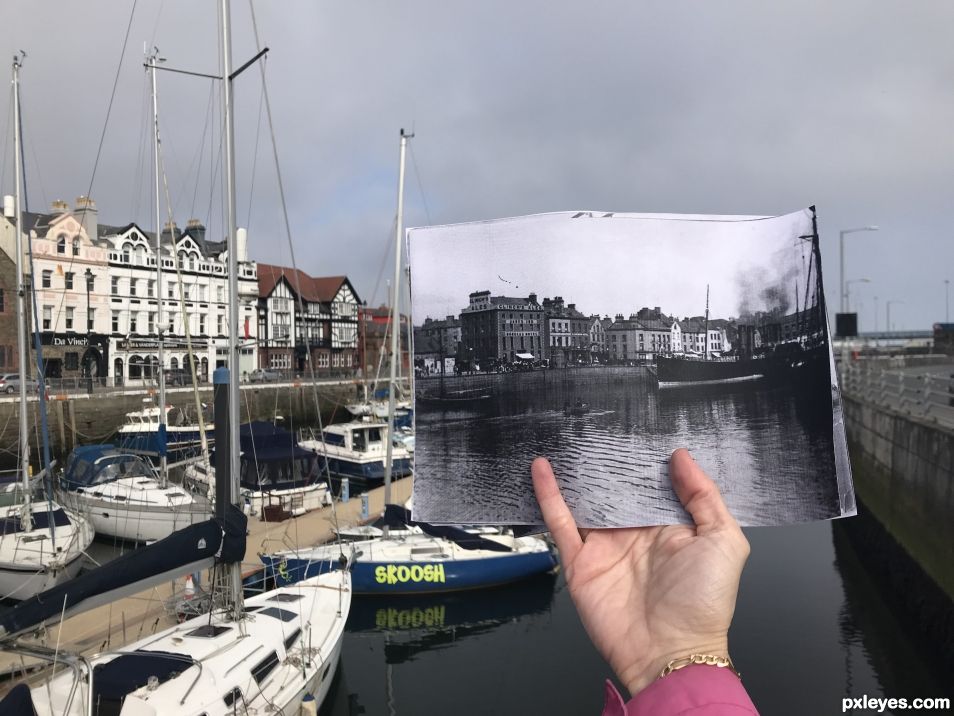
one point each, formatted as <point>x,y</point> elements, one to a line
<point>41,521</point>
<point>97,464</point>
<point>210,540</point>
<point>115,679</point>
<point>272,458</point>
<point>18,702</point>
<point>396,516</point>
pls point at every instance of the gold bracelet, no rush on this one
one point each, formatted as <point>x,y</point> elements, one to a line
<point>722,662</point>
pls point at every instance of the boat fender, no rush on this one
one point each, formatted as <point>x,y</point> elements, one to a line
<point>309,706</point>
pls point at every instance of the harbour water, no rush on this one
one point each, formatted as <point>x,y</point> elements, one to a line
<point>809,630</point>
<point>769,448</point>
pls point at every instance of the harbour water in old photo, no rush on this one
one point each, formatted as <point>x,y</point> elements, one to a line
<point>770,448</point>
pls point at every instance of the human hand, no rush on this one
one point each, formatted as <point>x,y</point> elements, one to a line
<point>648,595</point>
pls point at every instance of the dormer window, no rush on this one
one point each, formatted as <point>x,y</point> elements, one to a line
<point>127,250</point>
<point>76,245</point>
<point>61,244</point>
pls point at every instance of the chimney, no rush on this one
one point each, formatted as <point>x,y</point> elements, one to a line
<point>196,229</point>
<point>656,310</point>
<point>571,306</point>
<point>59,206</point>
<point>87,215</point>
<point>170,232</point>
<point>532,298</point>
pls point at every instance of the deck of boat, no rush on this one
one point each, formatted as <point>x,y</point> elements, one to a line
<point>131,618</point>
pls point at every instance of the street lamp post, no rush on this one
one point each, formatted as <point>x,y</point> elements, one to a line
<point>89,328</point>
<point>888,316</point>
<point>841,248</point>
<point>848,288</point>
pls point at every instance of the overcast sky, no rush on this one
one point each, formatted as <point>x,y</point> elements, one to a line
<point>617,264</point>
<point>519,107</point>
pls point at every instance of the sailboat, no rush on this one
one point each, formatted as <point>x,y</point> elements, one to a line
<point>41,543</point>
<point>432,559</point>
<point>264,655</point>
<point>117,489</point>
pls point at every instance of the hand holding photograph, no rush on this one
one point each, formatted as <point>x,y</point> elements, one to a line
<point>605,341</point>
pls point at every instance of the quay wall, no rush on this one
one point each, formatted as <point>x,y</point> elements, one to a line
<point>83,419</point>
<point>903,470</point>
<point>509,381</point>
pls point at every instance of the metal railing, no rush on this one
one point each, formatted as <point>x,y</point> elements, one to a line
<point>928,396</point>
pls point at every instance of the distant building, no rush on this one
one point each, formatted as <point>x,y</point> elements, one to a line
<point>597,334</point>
<point>566,333</point>
<point>447,332</point>
<point>306,321</point>
<point>374,342</point>
<point>502,328</point>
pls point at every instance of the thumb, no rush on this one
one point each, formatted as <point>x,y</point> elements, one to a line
<point>698,493</point>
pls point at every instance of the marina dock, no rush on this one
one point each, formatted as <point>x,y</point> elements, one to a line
<point>125,620</point>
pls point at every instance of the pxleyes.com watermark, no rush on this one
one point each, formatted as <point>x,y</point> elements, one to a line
<point>882,705</point>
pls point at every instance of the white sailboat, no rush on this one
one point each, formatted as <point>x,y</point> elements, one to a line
<point>41,543</point>
<point>263,656</point>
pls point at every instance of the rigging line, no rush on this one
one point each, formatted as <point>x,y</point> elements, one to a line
<point>99,149</point>
<point>420,186</point>
<point>112,96</point>
<point>291,246</point>
<point>258,135</point>
<point>137,182</point>
<point>205,131</point>
<point>384,261</point>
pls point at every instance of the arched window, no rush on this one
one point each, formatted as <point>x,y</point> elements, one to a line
<point>61,244</point>
<point>127,250</point>
<point>135,366</point>
<point>174,363</point>
<point>76,245</point>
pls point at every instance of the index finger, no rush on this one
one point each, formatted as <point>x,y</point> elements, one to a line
<point>556,514</point>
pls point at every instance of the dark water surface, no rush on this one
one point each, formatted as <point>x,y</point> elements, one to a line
<point>770,449</point>
<point>809,631</point>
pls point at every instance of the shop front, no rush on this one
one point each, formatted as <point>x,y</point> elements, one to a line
<point>72,361</point>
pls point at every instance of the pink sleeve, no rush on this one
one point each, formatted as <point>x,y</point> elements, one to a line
<point>693,691</point>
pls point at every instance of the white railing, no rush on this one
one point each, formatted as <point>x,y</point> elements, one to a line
<point>925,395</point>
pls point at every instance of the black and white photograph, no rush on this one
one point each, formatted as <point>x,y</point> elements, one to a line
<point>604,341</point>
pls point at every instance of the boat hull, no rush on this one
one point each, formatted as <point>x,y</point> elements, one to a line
<point>675,372</point>
<point>127,522</point>
<point>17,582</point>
<point>369,471</point>
<point>418,576</point>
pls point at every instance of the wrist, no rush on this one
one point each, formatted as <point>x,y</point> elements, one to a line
<point>642,674</point>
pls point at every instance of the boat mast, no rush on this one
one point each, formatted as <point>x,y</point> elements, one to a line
<point>235,578</point>
<point>395,317</point>
<point>706,344</point>
<point>151,62</point>
<point>26,517</point>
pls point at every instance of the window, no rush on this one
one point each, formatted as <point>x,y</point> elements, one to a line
<point>115,321</point>
<point>72,361</point>
<point>47,317</point>
<point>201,324</point>
<point>47,279</point>
<point>69,318</point>
<point>69,280</point>
<point>127,249</point>
<point>220,294</point>
<point>151,288</point>
<point>132,286</point>
<point>172,289</point>
<point>151,325</point>
<point>133,320</point>
<point>76,245</point>
<point>1,300</point>
<point>220,325</point>
<point>90,317</point>
<point>90,281</point>
<point>172,324</point>
<point>114,285</point>
<point>61,244</point>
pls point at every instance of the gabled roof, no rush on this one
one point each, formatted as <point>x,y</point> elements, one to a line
<point>320,290</point>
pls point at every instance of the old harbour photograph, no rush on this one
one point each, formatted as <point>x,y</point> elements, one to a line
<point>606,341</point>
